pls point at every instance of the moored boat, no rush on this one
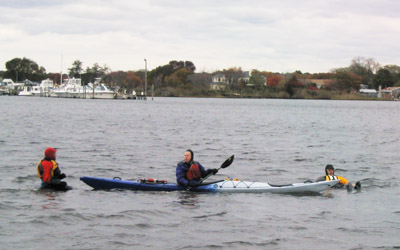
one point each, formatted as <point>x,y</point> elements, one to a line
<point>72,88</point>
<point>27,91</point>
<point>44,89</point>
<point>98,90</point>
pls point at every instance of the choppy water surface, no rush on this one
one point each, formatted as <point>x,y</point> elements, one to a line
<point>279,141</point>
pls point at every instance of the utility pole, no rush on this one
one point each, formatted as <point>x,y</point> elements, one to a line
<point>145,79</point>
<point>61,69</point>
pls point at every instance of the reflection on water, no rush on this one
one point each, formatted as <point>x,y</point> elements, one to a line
<point>189,199</point>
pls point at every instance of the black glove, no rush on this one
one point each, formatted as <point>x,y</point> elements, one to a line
<point>61,176</point>
<point>358,185</point>
<point>213,171</point>
<point>193,184</point>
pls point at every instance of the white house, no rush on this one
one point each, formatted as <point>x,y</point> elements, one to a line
<point>391,93</point>
<point>219,81</point>
<point>369,92</point>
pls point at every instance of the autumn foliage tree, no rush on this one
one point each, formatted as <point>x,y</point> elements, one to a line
<point>162,74</point>
<point>178,78</point>
<point>273,81</point>
<point>132,81</point>
<point>346,80</point>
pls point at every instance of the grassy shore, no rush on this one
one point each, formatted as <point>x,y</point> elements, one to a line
<point>274,94</point>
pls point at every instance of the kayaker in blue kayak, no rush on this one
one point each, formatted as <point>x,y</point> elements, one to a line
<point>49,172</point>
<point>190,172</point>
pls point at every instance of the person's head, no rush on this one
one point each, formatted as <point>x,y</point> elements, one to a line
<point>329,170</point>
<point>188,157</point>
<point>50,153</point>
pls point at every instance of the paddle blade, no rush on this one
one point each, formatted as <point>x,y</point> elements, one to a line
<point>228,162</point>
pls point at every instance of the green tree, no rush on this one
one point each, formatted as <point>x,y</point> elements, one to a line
<point>96,71</point>
<point>365,68</point>
<point>383,78</point>
<point>257,79</point>
<point>76,69</point>
<point>395,72</point>
<point>177,65</point>
<point>24,69</point>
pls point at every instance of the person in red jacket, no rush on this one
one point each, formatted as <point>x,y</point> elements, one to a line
<point>49,172</point>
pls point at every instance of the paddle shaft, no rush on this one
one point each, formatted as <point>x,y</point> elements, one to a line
<point>205,177</point>
<point>225,164</point>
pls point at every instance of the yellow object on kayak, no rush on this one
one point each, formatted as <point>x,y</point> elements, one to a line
<point>231,179</point>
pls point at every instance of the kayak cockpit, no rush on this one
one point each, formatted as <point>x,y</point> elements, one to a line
<point>277,185</point>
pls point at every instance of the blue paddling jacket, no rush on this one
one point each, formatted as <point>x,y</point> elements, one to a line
<point>182,172</point>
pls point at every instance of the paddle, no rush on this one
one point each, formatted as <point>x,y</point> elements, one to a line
<point>225,164</point>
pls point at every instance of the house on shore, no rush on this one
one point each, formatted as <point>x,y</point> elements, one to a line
<point>220,81</point>
<point>391,93</point>
<point>369,92</point>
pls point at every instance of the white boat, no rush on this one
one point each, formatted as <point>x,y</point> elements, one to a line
<point>98,90</point>
<point>27,91</point>
<point>72,88</point>
<point>68,88</point>
<point>44,88</point>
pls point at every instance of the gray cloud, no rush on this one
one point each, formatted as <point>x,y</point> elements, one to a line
<point>285,35</point>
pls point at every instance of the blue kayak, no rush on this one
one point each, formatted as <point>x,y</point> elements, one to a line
<point>233,186</point>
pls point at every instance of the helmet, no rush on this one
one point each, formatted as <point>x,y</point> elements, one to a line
<point>50,153</point>
<point>329,166</point>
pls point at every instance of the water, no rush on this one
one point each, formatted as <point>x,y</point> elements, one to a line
<point>279,141</point>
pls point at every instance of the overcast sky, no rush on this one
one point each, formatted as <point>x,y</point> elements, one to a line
<point>279,36</point>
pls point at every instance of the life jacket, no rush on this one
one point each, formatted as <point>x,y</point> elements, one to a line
<point>45,170</point>
<point>194,173</point>
<point>331,178</point>
<point>335,177</point>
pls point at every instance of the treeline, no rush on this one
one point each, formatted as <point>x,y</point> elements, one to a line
<point>178,78</point>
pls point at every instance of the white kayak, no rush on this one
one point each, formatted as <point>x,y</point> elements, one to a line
<point>262,187</point>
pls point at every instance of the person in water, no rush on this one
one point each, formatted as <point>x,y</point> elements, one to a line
<point>49,172</point>
<point>330,175</point>
<point>190,172</point>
